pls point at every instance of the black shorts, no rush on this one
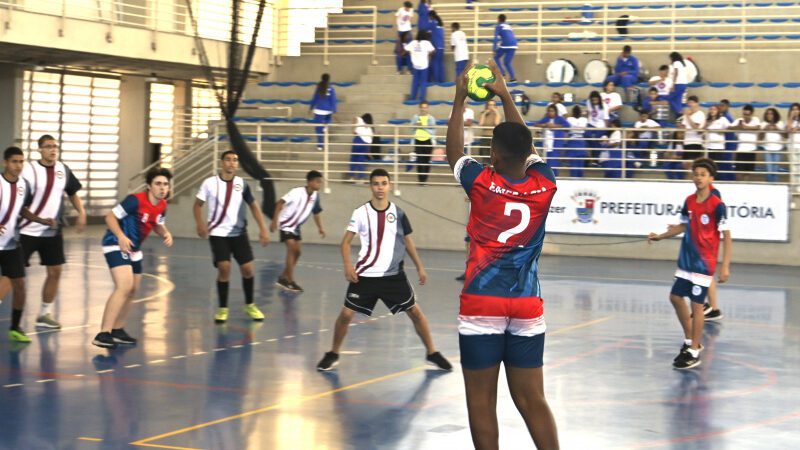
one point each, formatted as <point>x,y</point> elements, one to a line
<point>50,249</point>
<point>238,246</point>
<point>12,264</point>
<point>288,236</point>
<point>394,291</point>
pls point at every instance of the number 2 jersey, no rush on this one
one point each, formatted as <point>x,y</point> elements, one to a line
<point>506,229</point>
<point>704,221</point>
<point>137,217</point>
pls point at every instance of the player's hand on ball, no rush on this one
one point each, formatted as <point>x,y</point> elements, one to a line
<point>499,84</point>
<point>350,274</point>
<point>463,80</point>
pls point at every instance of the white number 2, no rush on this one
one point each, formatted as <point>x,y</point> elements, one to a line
<point>523,223</point>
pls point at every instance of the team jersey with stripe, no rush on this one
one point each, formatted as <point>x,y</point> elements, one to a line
<point>227,202</point>
<point>48,185</point>
<point>506,229</point>
<point>704,221</point>
<point>137,217</point>
<point>382,235</point>
<point>13,197</point>
<point>298,206</point>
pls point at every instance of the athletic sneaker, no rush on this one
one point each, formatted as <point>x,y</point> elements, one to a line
<point>706,308</point>
<point>17,335</point>
<point>329,361</point>
<point>685,347</point>
<point>686,361</point>
<point>47,321</point>
<point>122,337</point>
<point>284,283</point>
<point>221,316</point>
<point>105,340</point>
<point>436,359</point>
<point>253,311</point>
<point>295,287</point>
<point>714,315</point>
<point>462,277</point>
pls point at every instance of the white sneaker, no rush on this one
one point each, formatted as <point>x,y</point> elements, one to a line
<point>47,321</point>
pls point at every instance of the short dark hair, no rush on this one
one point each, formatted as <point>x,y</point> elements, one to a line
<point>663,67</point>
<point>226,153</point>
<point>512,141</point>
<point>501,18</point>
<point>408,4</point>
<point>379,173</point>
<point>157,172</point>
<point>11,151</point>
<point>456,25</point>
<point>693,98</point>
<point>424,102</point>
<point>725,101</point>
<point>312,174</point>
<point>44,138</point>
<point>748,108</point>
<point>626,49</point>
<point>706,163</point>
<point>652,89</point>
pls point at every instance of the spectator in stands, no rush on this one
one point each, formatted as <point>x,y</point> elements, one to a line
<point>576,150</point>
<point>421,51</point>
<point>793,142</point>
<point>469,137</point>
<point>662,83</point>
<point>403,17</point>
<point>424,8</point>
<point>323,105</point>
<point>556,99</point>
<point>747,126</point>
<point>504,47</point>
<point>727,166</point>
<point>490,117</point>
<point>424,134</point>
<point>554,127</point>
<point>774,131</point>
<point>673,166</point>
<point>612,100</point>
<point>458,43</point>
<point>680,79</point>
<point>652,105</point>
<point>626,70</point>
<point>643,141</point>
<point>597,116</point>
<point>359,153</point>
<point>692,121</point>
<point>436,74</point>
<point>716,126</point>
<point>611,155</point>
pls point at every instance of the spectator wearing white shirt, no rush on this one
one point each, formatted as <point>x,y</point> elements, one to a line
<point>680,80</point>
<point>716,125</point>
<point>611,155</point>
<point>597,115</point>
<point>421,50</point>
<point>748,127</point>
<point>403,17</point>
<point>556,99</point>
<point>662,82</point>
<point>644,139</point>
<point>612,100</point>
<point>458,42</point>
<point>793,142</point>
<point>362,140</point>
<point>773,136</point>
<point>693,122</point>
<point>576,149</point>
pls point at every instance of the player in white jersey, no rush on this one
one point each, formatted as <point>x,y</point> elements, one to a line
<point>291,211</point>
<point>226,230</point>
<point>384,231</point>
<point>49,179</point>
<point>15,197</point>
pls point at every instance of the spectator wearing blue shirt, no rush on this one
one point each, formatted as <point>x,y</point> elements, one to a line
<point>504,47</point>
<point>626,71</point>
<point>554,127</point>
<point>423,10</point>
<point>323,105</point>
<point>437,39</point>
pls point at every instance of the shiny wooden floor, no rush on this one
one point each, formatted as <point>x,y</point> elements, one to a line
<point>191,384</point>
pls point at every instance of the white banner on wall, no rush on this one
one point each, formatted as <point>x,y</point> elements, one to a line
<point>633,208</point>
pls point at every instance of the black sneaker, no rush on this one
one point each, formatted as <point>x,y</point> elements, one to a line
<point>686,361</point>
<point>122,337</point>
<point>329,361</point>
<point>105,340</point>
<point>436,359</point>
<point>284,283</point>
<point>684,348</point>
<point>295,287</point>
<point>462,277</point>
<point>706,309</point>
<point>714,315</point>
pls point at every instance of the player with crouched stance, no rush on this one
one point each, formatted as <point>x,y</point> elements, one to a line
<point>384,231</point>
<point>501,313</point>
<point>703,217</point>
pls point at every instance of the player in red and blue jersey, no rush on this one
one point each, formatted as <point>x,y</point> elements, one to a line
<point>129,224</point>
<point>501,314</point>
<point>703,218</point>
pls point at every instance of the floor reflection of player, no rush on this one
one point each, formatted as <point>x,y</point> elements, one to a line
<point>120,403</point>
<point>370,424</point>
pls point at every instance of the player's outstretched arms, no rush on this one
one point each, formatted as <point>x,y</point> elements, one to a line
<point>501,90</point>
<point>455,126</point>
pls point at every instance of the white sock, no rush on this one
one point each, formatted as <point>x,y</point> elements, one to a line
<point>695,353</point>
<point>47,308</point>
<point>687,342</point>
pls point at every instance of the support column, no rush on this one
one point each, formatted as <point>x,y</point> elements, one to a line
<point>10,105</point>
<point>133,129</point>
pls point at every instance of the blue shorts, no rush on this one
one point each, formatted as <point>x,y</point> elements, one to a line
<point>482,351</point>
<point>116,258</point>
<point>685,288</point>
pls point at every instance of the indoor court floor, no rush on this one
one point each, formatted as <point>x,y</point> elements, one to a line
<point>191,384</point>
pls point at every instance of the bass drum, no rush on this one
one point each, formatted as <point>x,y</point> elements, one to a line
<point>561,71</point>
<point>596,71</point>
<point>692,71</point>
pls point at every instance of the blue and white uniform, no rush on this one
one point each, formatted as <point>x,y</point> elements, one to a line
<point>504,47</point>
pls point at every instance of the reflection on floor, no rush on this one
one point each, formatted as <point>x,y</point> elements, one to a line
<point>192,384</point>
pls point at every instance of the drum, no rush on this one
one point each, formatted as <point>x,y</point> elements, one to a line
<point>596,71</point>
<point>692,71</point>
<point>561,71</point>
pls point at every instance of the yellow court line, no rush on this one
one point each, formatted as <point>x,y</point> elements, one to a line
<point>90,439</point>
<point>146,441</point>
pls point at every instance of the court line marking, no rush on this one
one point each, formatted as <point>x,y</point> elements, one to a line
<point>57,330</point>
<point>306,398</point>
<point>90,439</point>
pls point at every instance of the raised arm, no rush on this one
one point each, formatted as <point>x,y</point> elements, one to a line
<point>454,146</point>
<point>501,90</point>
